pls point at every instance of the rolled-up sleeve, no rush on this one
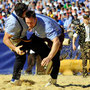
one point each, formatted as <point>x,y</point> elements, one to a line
<point>51,34</point>
<point>52,31</point>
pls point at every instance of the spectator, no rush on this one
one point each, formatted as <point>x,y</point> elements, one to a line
<point>54,11</point>
<point>73,6</point>
<point>59,6</point>
<point>1,15</point>
<point>50,14</point>
<point>67,5</point>
<point>75,21</point>
<point>87,11</point>
<point>84,41</point>
<point>71,31</point>
<point>60,22</point>
<point>86,3</point>
<point>83,11</point>
<point>1,5</point>
<point>71,16</point>
<point>74,12</point>
<point>67,23</point>
<point>62,11</point>
<point>46,10</point>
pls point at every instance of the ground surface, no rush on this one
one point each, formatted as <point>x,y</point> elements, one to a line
<point>37,82</point>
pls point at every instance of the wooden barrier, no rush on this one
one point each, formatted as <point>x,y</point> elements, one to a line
<point>70,67</point>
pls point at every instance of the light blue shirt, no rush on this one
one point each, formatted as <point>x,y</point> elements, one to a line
<point>46,27</point>
<point>67,23</point>
<point>13,27</point>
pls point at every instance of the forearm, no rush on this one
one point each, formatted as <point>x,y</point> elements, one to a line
<point>73,42</point>
<point>54,49</point>
<point>9,44</point>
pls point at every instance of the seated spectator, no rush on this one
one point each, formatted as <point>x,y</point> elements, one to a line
<point>50,14</point>
<point>1,15</point>
<point>60,22</point>
<point>71,16</point>
<point>46,10</point>
<point>62,11</point>
<point>64,17</point>
<point>75,21</point>
<point>71,31</point>
<point>73,6</point>
<point>80,17</point>
<point>83,11</point>
<point>74,12</point>
<point>67,5</point>
<point>54,11</point>
<point>87,11</point>
<point>59,5</point>
<point>86,2</point>
<point>67,23</point>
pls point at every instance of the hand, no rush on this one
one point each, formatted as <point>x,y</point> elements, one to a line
<point>18,51</point>
<point>45,61</point>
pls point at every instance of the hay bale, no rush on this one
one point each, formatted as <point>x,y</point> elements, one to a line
<point>67,72</point>
<point>72,66</point>
<point>67,67</point>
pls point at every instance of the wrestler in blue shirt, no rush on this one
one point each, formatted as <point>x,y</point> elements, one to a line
<point>48,28</point>
<point>15,31</point>
<point>13,27</point>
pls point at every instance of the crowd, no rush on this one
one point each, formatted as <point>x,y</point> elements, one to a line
<point>65,12</point>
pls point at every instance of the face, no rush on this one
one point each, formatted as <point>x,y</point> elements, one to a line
<point>31,22</point>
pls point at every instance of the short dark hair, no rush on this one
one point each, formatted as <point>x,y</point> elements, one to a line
<point>30,13</point>
<point>20,8</point>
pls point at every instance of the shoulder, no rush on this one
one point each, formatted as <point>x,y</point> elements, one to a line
<point>10,23</point>
<point>11,20</point>
<point>46,20</point>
